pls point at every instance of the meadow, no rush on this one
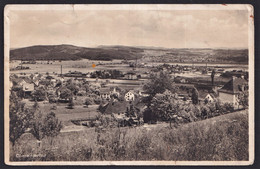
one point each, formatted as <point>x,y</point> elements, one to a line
<point>222,138</point>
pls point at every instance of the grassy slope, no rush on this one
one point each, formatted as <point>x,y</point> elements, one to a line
<point>220,138</point>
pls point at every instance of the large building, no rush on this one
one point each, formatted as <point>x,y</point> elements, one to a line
<point>230,91</point>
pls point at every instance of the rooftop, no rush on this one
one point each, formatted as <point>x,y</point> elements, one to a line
<point>233,86</point>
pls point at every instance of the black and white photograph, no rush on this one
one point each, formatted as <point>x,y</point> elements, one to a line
<point>129,84</point>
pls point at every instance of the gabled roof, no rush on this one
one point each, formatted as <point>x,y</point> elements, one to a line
<point>131,72</point>
<point>105,90</point>
<point>27,80</point>
<point>203,94</point>
<point>116,107</point>
<point>233,86</point>
<point>17,80</point>
<point>28,87</point>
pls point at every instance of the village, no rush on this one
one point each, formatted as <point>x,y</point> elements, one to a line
<point>120,94</point>
<point>147,84</point>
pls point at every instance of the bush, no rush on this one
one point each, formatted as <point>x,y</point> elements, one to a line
<point>229,107</point>
<point>205,111</point>
<point>71,104</point>
<point>97,100</point>
<point>88,101</point>
<point>52,99</point>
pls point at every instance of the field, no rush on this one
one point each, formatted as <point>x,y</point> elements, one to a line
<point>65,115</point>
<point>221,138</point>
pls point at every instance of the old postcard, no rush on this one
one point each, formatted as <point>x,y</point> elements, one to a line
<point>129,84</point>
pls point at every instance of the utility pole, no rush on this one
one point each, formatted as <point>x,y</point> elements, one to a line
<point>61,70</point>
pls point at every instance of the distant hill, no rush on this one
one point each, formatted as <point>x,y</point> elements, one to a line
<point>147,54</point>
<point>70,52</point>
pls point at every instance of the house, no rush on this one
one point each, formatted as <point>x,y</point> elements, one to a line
<point>105,93</point>
<point>28,88</point>
<point>209,98</point>
<point>130,75</point>
<point>230,91</point>
<point>130,96</point>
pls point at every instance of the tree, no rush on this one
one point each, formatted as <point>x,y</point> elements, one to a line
<point>47,125</point>
<point>36,106</point>
<point>20,118</point>
<point>73,88</point>
<point>52,99</point>
<point>37,126</point>
<point>158,83</point>
<point>18,90</point>
<point>52,125</point>
<point>243,99</point>
<point>212,76</point>
<point>164,106</point>
<point>88,101</point>
<point>66,94</point>
<point>39,94</point>
<point>71,104</point>
<point>86,87</point>
<point>195,96</point>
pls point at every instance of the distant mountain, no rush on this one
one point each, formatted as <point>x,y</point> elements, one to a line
<point>147,54</point>
<point>70,52</point>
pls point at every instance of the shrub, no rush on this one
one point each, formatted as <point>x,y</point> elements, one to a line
<point>71,104</point>
<point>39,94</point>
<point>52,99</point>
<point>52,125</point>
<point>88,101</point>
<point>97,100</point>
<point>205,111</point>
<point>195,96</point>
<point>229,107</point>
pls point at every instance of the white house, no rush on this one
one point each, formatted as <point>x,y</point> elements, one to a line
<point>210,98</point>
<point>129,96</point>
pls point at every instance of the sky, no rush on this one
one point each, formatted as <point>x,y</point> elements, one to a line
<point>158,28</point>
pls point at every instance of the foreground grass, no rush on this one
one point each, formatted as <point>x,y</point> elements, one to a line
<point>220,138</point>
